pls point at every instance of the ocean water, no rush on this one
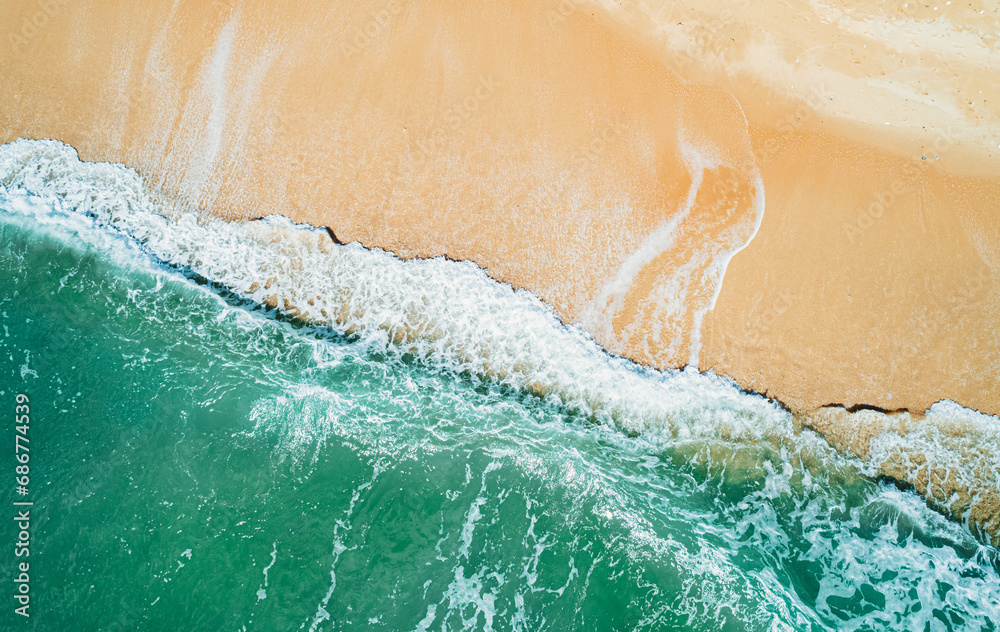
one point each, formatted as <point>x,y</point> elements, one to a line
<point>402,446</point>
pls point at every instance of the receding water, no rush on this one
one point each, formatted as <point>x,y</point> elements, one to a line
<point>201,462</point>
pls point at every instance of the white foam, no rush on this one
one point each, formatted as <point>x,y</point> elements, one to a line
<point>215,89</point>
<point>598,315</point>
<point>723,260</point>
<point>262,592</point>
<point>428,620</point>
<point>678,293</point>
<point>450,314</point>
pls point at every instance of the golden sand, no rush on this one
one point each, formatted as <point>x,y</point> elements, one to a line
<point>800,195</point>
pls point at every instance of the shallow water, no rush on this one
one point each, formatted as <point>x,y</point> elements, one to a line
<point>446,456</point>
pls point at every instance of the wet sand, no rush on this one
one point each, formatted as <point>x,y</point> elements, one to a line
<point>711,185</point>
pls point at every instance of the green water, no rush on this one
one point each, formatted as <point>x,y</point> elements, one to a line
<point>200,463</point>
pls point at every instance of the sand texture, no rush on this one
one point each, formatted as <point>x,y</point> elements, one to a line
<point>804,196</point>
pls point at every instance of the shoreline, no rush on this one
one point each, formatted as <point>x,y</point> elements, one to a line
<point>574,157</point>
<point>941,453</point>
<point>614,196</point>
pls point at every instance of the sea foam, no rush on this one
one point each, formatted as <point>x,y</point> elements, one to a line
<point>451,315</point>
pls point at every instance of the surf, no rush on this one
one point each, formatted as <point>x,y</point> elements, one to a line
<point>451,316</point>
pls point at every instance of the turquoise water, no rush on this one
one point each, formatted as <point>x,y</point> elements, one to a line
<point>203,462</point>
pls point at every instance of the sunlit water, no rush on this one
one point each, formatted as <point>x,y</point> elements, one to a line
<point>202,462</point>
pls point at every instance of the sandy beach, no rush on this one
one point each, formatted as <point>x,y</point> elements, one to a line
<point>801,196</point>
<point>511,315</point>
